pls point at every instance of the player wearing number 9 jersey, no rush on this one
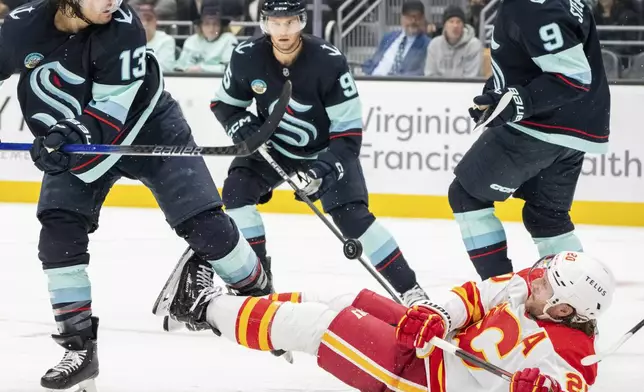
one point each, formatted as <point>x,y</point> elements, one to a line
<point>321,135</point>
<point>547,54</point>
<point>85,77</point>
<point>537,324</point>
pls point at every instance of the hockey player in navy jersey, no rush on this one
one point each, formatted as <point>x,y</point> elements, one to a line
<point>547,54</point>
<point>85,77</point>
<point>321,136</point>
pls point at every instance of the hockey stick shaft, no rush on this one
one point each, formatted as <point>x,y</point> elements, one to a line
<point>141,150</point>
<point>267,156</point>
<point>471,358</point>
<point>244,148</point>
<point>595,358</point>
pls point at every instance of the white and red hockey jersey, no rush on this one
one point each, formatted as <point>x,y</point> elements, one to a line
<point>490,321</point>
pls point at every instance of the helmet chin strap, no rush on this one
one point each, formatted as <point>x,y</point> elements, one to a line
<point>546,315</point>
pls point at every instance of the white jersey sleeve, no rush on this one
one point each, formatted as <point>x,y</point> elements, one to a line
<point>469,302</point>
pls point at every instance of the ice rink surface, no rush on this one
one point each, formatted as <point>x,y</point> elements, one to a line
<point>134,250</point>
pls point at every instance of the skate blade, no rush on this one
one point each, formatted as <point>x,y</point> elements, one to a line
<point>171,325</point>
<point>162,303</point>
<point>83,386</point>
<point>287,355</point>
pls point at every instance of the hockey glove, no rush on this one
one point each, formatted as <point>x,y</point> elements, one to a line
<point>531,380</point>
<point>45,149</point>
<point>519,108</point>
<point>322,175</point>
<point>418,326</point>
<point>243,126</point>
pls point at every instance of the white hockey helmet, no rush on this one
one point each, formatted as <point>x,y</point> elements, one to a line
<point>580,281</point>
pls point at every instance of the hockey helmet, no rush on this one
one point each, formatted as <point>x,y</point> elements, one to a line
<point>578,280</point>
<point>282,8</point>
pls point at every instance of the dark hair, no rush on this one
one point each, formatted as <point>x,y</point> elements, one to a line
<point>70,9</point>
<point>588,327</point>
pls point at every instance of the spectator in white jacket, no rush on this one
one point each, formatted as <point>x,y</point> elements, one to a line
<point>457,53</point>
<point>163,45</point>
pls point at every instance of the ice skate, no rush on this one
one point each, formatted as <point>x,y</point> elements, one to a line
<point>164,298</point>
<point>194,290</point>
<point>78,368</point>
<point>414,295</point>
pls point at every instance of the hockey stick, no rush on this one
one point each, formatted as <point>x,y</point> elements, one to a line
<point>489,116</point>
<point>352,248</point>
<point>244,148</point>
<point>471,358</point>
<point>593,359</point>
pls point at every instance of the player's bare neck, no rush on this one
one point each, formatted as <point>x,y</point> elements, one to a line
<point>68,25</point>
<point>287,58</point>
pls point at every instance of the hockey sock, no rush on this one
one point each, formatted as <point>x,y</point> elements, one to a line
<point>262,324</point>
<point>241,269</point>
<point>295,297</point>
<point>553,245</point>
<point>251,225</point>
<point>552,230</point>
<point>485,241</point>
<point>384,254</point>
<point>71,299</point>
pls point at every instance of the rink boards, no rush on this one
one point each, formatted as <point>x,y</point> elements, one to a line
<point>416,131</point>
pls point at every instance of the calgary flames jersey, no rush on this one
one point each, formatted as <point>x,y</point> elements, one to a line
<point>490,321</point>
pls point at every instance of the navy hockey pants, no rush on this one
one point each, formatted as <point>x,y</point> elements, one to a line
<point>69,209</point>
<point>251,180</point>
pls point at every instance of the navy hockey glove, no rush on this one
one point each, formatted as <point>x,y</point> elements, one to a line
<point>519,108</point>
<point>322,175</point>
<point>243,126</point>
<point>45,149</point>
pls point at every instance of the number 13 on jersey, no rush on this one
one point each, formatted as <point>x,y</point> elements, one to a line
<point>127,58</point>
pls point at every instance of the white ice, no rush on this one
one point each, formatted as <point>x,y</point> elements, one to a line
<point>134,250</point>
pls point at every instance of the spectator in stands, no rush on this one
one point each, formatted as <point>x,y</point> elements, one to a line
<point>164,9</point>
<point>617,13</point>
<point>402,52</point>
<point>457,53</point>
<point>474,13</point>
<point>210,49</point>
<point>163,45</point>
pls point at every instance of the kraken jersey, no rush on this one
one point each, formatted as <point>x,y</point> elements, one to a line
<point>551,48</point>
<point>325,108</point>
<point>101,76</point>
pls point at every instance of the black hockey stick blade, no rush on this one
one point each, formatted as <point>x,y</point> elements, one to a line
<point>247,147</point>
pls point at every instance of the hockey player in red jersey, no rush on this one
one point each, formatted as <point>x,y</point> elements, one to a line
<point>538,324</point>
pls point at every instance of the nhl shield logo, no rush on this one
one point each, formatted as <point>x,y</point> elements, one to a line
<point>258,86</point>
<point>33,59</point>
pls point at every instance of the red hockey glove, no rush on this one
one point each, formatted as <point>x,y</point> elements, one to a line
<point>418,326</point>
<point>531,380</point>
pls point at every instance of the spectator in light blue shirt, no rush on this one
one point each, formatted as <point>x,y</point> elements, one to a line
<point>402,52</point>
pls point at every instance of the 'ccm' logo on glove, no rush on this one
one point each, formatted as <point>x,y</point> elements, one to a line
<point>238,124</point>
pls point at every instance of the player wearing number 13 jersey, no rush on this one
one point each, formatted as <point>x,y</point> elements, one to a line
<point>537,324</point>
<point>85,77</point>
<point>321,135</point>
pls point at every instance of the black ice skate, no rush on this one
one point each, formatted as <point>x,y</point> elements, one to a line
<point>79,366</point>
<point>266,264</point>
<point>194,291</point>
